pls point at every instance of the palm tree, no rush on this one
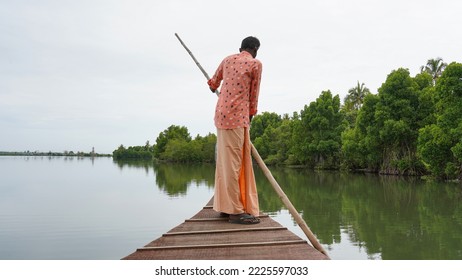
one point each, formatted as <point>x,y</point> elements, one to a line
<point>434,67</point>
<point>355,98</point>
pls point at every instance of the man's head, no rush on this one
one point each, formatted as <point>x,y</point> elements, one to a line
<point>250,44</point>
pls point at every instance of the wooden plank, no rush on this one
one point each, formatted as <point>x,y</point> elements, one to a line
<point>255,244</point>
<point>225,237</point>
<point>280,252</point>
<point>206,235</point>
<point>222,231</point>
<point>222,225</point>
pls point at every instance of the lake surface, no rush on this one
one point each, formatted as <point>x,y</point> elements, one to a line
<point>87,209</point>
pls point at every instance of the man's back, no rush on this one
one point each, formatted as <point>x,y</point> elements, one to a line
<point>241,75</point>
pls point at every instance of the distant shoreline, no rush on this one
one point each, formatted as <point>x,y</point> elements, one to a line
<point>54,154</point>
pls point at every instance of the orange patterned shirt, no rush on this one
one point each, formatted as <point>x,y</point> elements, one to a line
<point>241,76</point>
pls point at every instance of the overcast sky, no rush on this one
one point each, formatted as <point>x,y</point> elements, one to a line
<point>81,74</point>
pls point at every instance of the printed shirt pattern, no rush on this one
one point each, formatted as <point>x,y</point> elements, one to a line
<point>241,76</point>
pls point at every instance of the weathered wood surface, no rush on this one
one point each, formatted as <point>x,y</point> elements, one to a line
<point>208,236</point>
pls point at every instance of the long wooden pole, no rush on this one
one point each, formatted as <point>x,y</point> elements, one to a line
<point>197,62</point>
<point>298,218</point>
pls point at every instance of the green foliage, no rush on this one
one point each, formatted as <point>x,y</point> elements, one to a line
<point>317,136</point>
<point>355,98</point>
<point>434,146</point>
<point>439,144</point>
<point>201,149</point>
<point>134,152</point>
<point>262,132</point>
<point>274,141</point>
<point>366,135</point>
<point>457,151</point>
<point>434,67</point>
<point>423,80</point>
<point>263,121</point>
<point>173,144</point>
<point>172,132</point>
<point>351,150</point>
<point>353,103</point>
<point>387,126</point>
<point>207,146</point>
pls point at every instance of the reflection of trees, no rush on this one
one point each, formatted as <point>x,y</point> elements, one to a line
<point>391,216</point>
<point>174,179</point>
<point>441,217</point>
<point>313,194</point>
<point>381,211</point>
<point>134,163</point>
<point>403,219</point>
<point>268,200</point>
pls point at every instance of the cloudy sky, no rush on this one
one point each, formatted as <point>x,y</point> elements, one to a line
<point>81,74</point>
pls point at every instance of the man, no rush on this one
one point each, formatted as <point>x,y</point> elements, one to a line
<point>235,188</point>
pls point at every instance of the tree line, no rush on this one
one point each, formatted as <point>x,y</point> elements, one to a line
<point>174,144</point>
<point>411,126</point>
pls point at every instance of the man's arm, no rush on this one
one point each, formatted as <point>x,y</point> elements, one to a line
<point>214,82</point>
<point>255,88</point>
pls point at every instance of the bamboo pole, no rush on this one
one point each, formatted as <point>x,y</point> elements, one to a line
<point>197,62</point>
<point>298,218</point>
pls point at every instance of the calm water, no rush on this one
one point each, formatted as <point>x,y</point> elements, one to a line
<point>70,208</point>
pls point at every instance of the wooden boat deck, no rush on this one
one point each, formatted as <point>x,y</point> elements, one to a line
<point>207,236</point>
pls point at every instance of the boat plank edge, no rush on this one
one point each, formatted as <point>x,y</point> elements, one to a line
<point>271,243</point>
<point>223,231</point>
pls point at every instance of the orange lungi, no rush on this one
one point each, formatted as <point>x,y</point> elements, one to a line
<point>235,187</point>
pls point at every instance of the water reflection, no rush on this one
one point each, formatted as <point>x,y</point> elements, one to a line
<point>57,158</point>
<point>397,218</point>
<point>139,164</point>
<point>172,178</point>
<point>388,217</point>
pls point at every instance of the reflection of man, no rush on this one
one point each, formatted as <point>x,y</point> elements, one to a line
<point>235,188</point>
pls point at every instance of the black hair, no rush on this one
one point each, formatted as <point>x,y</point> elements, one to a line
<point>250,43</point>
